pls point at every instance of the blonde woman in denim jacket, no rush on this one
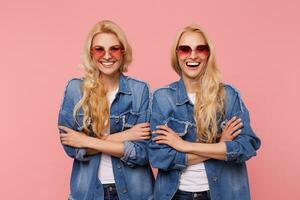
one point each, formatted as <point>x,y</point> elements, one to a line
<point>201,128</point>
<point>103,121</point>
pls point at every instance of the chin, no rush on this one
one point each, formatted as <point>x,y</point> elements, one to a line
<point>107,72</point>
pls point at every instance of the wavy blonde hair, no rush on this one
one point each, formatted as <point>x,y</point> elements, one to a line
<point>94,102</point>
<point>210,95</point>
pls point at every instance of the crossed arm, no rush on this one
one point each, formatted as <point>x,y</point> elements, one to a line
<point>109,144</point>
<point>199,152</point>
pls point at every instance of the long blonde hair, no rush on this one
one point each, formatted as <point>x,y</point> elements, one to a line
<point>94,102</point>
<point>210,95</point>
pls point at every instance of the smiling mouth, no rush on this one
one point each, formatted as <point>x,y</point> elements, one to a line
<point>193,64</point>
<point>107,63</point>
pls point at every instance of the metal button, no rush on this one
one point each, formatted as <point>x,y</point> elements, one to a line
<point>116,120</point>
<point>124,191</point>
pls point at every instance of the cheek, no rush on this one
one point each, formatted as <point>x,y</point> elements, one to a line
<point>181,63</point>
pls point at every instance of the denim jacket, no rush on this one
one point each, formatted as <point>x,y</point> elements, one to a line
<point>228,180</point>
<point>133,175</point>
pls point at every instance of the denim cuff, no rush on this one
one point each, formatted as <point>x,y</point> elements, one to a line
<point>231,153</point>
<point>180,160</point>
<point>129,152</point>
<point>80,154</point>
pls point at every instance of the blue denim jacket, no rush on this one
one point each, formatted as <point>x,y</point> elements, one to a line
<point>133,175</point>
<point>227,179</point>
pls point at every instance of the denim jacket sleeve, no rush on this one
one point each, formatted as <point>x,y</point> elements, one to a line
<point>135,152</point>
<point>65,118</point>
<point>243,147</point>
<point>163,156</point>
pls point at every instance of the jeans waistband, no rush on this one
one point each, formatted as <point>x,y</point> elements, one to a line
<point>109,187</point>
<point>204,194</point>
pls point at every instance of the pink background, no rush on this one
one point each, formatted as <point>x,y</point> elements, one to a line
<point>257,46</point>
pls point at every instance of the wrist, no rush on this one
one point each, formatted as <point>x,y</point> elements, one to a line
<point>125,135</point>
<point>186,146</point>
<point>90,142</point>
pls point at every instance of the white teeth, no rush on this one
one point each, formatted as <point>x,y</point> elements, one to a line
<point>107,63</point>
<point>192,64</point>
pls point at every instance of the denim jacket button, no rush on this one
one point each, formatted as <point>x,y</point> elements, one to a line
<point>118,166</point>
<point>215,178</point>
<point>116,120</point>
<point>124,191</point>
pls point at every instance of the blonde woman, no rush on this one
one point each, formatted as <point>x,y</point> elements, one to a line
<point>201,128</point>
<point>103,122</point>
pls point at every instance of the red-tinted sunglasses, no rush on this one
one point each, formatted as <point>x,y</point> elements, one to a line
<point>99,51</point>
<point>185,50</point>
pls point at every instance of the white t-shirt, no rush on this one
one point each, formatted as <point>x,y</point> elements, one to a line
<point>194,178</point>
<point>105,171</point>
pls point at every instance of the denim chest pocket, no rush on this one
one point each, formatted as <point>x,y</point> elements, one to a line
<point>79,121</point>
<point>129,119</point>
<point>179,126</point>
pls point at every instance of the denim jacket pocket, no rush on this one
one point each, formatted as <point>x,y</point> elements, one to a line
<point>129,119</point>
<point>179,126</point>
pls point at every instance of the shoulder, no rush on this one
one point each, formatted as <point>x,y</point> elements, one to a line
<point>74,87</point>
<point>166,90</point>
<point>74,84</point>
<point>135,83</point>
<point>230,90</point>
<point>233,97</point>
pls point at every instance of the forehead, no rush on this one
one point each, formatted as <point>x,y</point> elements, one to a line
<point>105,40</point>
<point>192,39</point>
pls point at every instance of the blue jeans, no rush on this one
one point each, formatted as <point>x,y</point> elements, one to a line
<point>183,195</point>
<point>110,192</point>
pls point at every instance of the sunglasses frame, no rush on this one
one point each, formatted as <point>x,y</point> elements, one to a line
<point>110,50</point>
<point>203,52</point>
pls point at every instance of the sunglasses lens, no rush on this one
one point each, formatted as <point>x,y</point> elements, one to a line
<point>184,50</point>
<point>202,50</point>
<point>98,51</point>
<point>115,51</point>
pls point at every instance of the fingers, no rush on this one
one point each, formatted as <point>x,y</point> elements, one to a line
<point>233,124</point>
<point>235,134</point>
<point>143,125</point>
<point>146,137</point>
<point>159,137</point>
<point>145,129</point>
<point>160,132</point>
<point>236,122</point>
<point>63,138</point>
<point>165,128</point>
<point>230,121</point>
<point>65,129</point>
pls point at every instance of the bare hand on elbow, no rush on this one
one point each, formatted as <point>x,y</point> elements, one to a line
<point>138,132</point>
<point>232,129</point>
<point>167,136</point>
<point>73,138</point>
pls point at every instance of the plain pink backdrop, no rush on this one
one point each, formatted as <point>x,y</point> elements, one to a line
<point>257,45</point>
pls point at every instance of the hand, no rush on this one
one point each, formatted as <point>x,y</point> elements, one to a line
<point>167,136</point>
<point>138,132</point>
<point>232,129</point>
<point>73,138</point>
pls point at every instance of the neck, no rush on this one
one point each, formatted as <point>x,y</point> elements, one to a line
<point>191,85</point>
<point>111,82</point>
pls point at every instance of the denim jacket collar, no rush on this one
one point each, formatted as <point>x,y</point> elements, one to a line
<point>123,85</point>
<point>181,94</point>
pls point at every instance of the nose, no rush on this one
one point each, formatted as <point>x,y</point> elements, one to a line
<point>193,54</point>
<point>107,55</point>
